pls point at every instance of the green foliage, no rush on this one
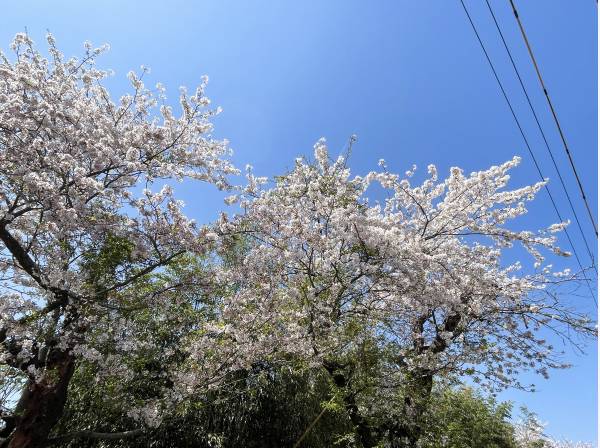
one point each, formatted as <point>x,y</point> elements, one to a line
<point>463,418</point>
<point>101,265</point>
<point>270,406</point>
<point>263,407</point>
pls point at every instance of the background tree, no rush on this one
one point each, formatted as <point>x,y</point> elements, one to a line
<point>265,406</point>
<point>529,432</point>
<point>462,417</point>
<point>272,407</point>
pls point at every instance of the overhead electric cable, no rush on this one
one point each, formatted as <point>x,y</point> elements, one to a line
<point>525,140</point>
<point>560,131</point>
<point>564,187</point>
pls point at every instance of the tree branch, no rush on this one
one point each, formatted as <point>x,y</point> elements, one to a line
<point>95,436</point>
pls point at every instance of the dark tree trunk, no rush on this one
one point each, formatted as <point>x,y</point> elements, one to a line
<point>366,434</point>
<point>41,404</point>
<point>416,402</point>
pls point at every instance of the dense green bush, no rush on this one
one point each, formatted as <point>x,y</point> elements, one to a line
<point>273,407</point>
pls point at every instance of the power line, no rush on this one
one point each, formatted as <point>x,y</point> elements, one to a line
<point>560,131</point>
<point>542,133</point>
<point>524,139</point>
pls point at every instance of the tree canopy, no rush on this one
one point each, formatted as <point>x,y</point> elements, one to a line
<point>123,317</point>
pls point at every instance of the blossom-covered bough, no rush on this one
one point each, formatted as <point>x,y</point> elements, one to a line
<point>422,276</point>
<point>79,235</point>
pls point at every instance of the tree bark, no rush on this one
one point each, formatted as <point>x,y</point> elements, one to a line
<point>41,404</point>
<point>416,403</point>
<point>365,432</point>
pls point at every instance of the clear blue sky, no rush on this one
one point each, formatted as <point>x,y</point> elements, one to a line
<point>407,77</point>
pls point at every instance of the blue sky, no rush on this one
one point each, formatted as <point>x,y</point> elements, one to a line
<point>407,77</point>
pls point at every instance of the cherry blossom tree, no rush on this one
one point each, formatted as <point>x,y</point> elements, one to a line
<point>529,433</point>
<point>564,443</point>
<point>78,175</point>
<point>422,276</point>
